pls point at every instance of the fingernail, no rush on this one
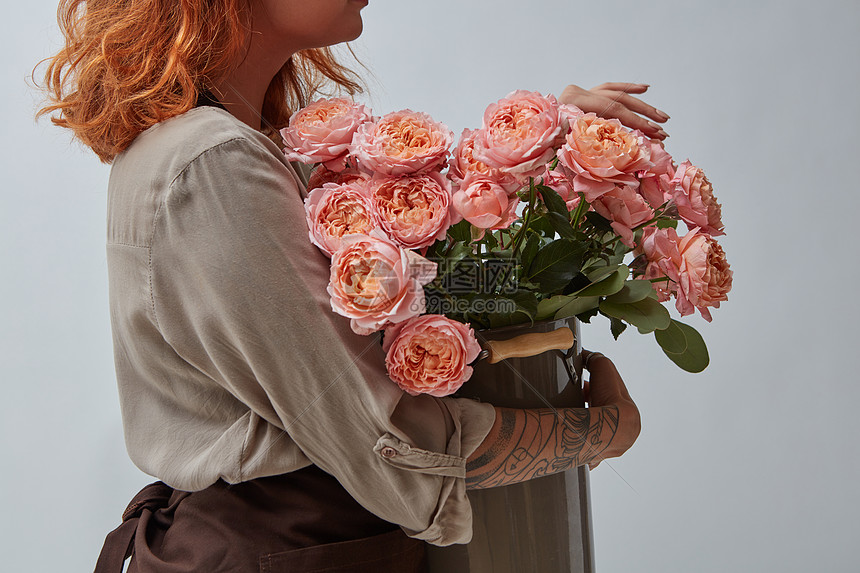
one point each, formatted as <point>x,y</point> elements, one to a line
<point>663,115</point>
<point>663,133</point>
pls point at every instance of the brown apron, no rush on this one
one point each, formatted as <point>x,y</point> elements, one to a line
<point>300,522</point>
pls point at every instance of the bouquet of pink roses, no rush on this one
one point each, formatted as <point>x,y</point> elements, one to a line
<point>544,212</point>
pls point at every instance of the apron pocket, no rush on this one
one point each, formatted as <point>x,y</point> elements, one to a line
<point>392,552</point>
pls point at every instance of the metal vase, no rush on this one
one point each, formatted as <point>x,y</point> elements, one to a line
<point>541,525</point>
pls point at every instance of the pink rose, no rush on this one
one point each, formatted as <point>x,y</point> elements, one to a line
<point>322,132</point>
<point>430,354</point>
<point>485,204</point>
<point>695,200</point>
<point>705,278</point>
<point>321,175</point>
<point>660,248</point>
<point>334,211</point>
<point>601,154</point>
<point>463,162</point>
<point>656,182</point>
<point>376,283</point>
<point>560,183</point>
<point>520,134</point>
<point>402,143</point>
<point>625,208</point>
<point>569,112</point>
<point>415,210</point>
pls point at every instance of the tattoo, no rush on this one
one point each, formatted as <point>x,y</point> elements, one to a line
<point>537,446</point>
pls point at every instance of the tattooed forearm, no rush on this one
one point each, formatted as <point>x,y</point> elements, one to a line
<point>532,443</point>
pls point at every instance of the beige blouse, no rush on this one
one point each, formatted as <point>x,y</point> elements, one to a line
<point>229,359</point>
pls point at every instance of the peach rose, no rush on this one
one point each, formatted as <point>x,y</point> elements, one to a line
<point>520,134</point>
<point>625,208</point>
<point>481,201</point>
<point>430,354</point>
<point>601,154</point>
<point>663,259</point>
<point>656,182</point>
<point>323,131</point>
<point>402,143</point>
<point>695,200</point>
<point>705,278</point>
<point>375,283</point>
<point>321,175</point>
<point>463,162</point>
<point>334,211</point>
<point>556,180</point>
<point>414,210</point>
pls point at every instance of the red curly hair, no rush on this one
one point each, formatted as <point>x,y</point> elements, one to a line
<point>129,64</point>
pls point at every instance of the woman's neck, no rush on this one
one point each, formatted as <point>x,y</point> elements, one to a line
<point>243,91</point>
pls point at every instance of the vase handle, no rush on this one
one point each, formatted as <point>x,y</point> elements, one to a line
<point>529,344</point>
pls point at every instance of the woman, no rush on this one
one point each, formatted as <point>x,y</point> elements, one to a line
<point>280,442</point>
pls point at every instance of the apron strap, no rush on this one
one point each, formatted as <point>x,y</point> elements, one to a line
<point>119,543</point>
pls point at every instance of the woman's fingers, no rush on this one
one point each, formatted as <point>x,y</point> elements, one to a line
<point>613,100</point>
<point>642,108</point>
<point>624,108</point>
<point>623,87</point>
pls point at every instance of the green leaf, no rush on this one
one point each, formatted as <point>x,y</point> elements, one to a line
<point>542,226</point>
<point>667,223</point>
<point>497,309</point>
<point>610,285</point>
<point>616,327</point>
<point>577,306</point>
<point>684,346</point>
<point>529,250</point>
<point>556,264</point>
<point>587,315</point>
<point>560,225</point>
<point>553,201</point>
<point>598,222</point>
<point>647,315</point>
<point>460,232</point>
<point>549,306</point>
<point>490,240</point>
<point>557,215</point>
<point>633,291</point>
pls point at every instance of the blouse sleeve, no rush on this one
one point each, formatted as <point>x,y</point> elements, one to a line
<point>238,291</point>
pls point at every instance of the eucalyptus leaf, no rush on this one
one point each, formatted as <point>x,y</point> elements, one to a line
<point>600,273</point>
<point>610,285</point>
<point>577,306</point>
<point>672,339</point>
<point>549,306</point>
<point>694,357</point>
<point>633,291</point>
<point>647,315</point>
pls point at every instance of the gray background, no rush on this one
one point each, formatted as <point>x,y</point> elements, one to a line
<point>750,466</point>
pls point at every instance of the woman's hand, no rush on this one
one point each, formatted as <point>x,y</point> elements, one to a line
<point>606,388</point>
<point>613,100</point>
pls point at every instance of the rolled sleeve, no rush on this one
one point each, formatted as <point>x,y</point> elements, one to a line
<point>239,292</point>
